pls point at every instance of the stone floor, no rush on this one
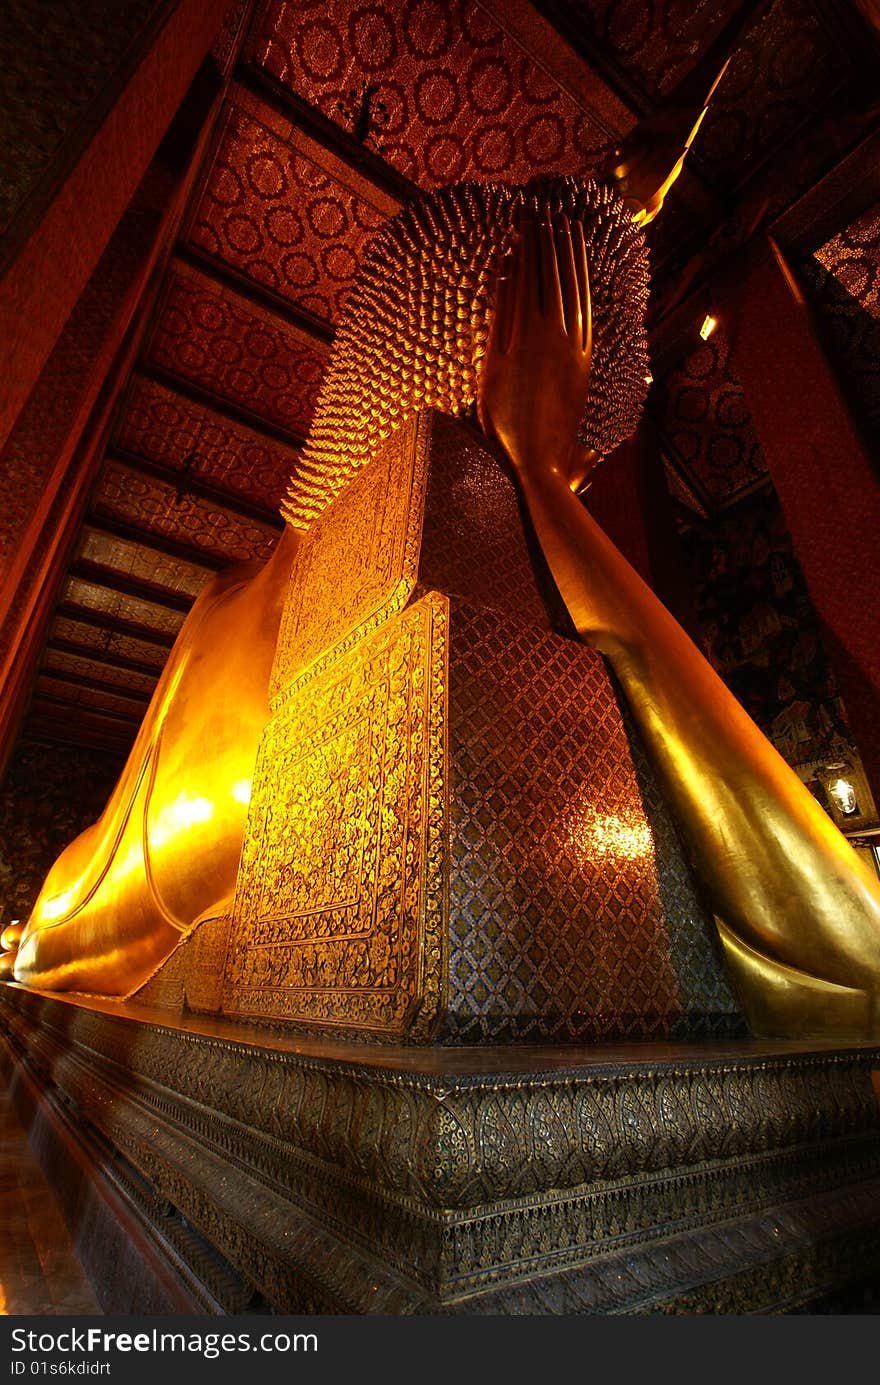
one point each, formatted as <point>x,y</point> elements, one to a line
<point>39,1269</point>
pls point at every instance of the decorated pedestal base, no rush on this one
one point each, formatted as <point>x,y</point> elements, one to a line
<point>232,1171</point>
<point>454,835</point>
<point>455,848</point>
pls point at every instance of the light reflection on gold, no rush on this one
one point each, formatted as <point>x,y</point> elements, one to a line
<point>11,935</point>
<point>178,817</point>
<point>164,854</point>
<point>591,835</point>
<point>59,905</point>
<point>241,791</point>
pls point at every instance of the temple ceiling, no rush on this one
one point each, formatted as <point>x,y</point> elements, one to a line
<point>334,112</point>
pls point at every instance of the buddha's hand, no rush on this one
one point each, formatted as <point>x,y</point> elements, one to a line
<point>534,377</point>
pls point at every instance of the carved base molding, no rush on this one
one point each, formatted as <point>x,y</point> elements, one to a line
<point>270,1171</point>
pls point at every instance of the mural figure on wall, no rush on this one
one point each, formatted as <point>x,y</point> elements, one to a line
<point>761,632</point>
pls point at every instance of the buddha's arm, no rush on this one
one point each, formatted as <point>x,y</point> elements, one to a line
<point>779,873</point>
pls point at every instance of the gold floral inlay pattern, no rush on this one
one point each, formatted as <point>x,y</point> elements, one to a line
<point>358,562</point>
<point>340,909</point>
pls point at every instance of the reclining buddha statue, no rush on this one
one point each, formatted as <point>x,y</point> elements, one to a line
<point>528,302</point>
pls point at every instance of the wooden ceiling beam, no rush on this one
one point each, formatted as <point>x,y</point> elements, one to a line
<point>325,132</point>
<point>573,30</point>
<point>207,399</point>
<point>48,699</point>
<point>192,484</point>
<point>79,680</point>
<point>113,580</point>
<point>96,655</point>
<point>836,200</point>
<point>160,543</point>
<point>85,615</point>
<point>108,740</point>
<point>226,276</point>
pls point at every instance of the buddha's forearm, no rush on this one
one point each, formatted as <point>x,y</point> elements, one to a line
<point>778,871</point>
<point>605,597</point>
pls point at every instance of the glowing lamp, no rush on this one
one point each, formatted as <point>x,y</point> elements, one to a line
<point>840,787</point>
<point>709,324</point>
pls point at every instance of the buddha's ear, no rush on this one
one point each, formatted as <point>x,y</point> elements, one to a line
<point>647,163</point>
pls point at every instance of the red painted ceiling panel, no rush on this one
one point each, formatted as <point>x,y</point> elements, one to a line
<point>463,100</point>
<point>706,421</point>
<point>153,506</point>
<point>163,427</point>
<point>238,352</point>
<point>272,212</point>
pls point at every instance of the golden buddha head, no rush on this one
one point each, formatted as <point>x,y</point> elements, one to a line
<point>417,322</point>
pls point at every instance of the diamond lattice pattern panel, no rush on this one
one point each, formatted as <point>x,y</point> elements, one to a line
<point>571,911</point>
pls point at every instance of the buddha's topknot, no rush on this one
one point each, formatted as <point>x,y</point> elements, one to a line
<point>417,322</point>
